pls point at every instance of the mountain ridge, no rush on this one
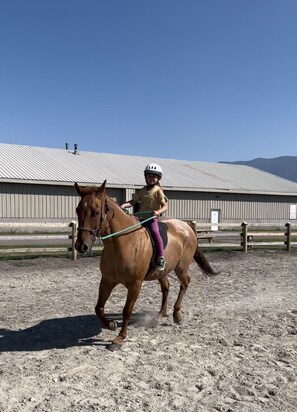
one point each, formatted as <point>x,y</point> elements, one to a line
<point>282,166</point>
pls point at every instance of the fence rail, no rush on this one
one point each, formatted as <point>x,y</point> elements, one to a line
<point>37,238</point>
<point>47,238</point>
<point>246,236</point>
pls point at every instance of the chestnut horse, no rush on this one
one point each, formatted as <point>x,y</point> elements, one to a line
<point>127,253</point>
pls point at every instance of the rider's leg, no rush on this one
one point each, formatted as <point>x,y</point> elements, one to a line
<point>158,243</point>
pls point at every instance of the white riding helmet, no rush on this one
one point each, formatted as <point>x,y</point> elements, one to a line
<point>154,169</point>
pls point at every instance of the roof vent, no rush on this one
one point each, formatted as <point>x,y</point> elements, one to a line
<point>75,149</point>
<point>66,146</point>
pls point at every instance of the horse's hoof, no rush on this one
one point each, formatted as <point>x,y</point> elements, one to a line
<point>113,325</point>
<point>114,347</point>
<point>177,318</point>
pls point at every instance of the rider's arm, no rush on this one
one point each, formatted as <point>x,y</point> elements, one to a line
<point>160,211</point>
<point>125,205</point>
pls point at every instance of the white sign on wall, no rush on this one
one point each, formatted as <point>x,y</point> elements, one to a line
<point>214,219</point>
<point>293,210</point>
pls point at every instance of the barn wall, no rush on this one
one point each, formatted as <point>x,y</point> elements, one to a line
<point>232,207</point>
<point>51,202</point>
<point>41,202</point>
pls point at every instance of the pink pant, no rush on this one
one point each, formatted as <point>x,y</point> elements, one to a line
<point>154,229</point>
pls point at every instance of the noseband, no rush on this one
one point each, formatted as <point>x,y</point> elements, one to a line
<point>105,208</point>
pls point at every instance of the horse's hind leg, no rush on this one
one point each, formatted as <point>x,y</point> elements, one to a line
<point>184,280</point>
<point>105,290</point>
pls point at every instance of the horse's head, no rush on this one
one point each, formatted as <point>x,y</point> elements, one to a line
<point>92,212</point>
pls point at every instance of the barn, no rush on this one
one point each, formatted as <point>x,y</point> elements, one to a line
<point>37,184</point>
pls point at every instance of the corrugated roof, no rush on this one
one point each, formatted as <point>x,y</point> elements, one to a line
<point>41,164</point>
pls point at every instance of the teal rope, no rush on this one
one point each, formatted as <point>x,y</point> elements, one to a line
<point>142,213</point>
<point>145,212</point>
<point>127,228</point>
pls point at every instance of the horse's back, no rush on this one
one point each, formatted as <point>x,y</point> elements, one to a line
<point>180,229</point>
<point>177,225</point>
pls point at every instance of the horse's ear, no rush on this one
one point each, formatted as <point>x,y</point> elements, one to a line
<point>77,188</point>
<point>85,190</point>
<point>81,190</point>
<point>101,189</point>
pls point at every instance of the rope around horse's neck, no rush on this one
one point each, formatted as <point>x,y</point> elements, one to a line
<point>127,228</point>
<point>142,213</point>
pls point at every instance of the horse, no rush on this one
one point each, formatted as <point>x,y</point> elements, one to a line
<point>127,254</point>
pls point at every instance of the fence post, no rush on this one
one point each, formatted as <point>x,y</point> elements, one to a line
<point>73,224</point>
<point>244,236</point>
<point>193,224</point>
<point>288,234</point>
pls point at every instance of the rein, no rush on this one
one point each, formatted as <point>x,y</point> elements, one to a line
<point>127,228</point>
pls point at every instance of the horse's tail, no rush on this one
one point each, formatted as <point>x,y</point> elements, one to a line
<point>199,257</point>
<point>203,263</point>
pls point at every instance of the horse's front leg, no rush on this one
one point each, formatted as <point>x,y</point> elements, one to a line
<point>132,295</point>
<point>105,290</point>
<point>164,282</point>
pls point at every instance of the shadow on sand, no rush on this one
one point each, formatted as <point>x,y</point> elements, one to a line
<point>51,333</point>
<point>61,333</point>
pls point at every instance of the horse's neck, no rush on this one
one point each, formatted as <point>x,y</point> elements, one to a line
<point>119,220</point>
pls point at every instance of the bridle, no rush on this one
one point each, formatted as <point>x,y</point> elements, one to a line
<point>105,209</point>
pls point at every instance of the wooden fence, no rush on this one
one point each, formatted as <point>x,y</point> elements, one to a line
<point>38,238</point>
<point>246,236</point>
<point>59,238</point>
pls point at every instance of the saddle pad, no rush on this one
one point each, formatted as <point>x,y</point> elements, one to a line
<point>163,232</point>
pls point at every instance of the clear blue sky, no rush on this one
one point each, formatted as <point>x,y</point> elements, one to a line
<point>204,80</point>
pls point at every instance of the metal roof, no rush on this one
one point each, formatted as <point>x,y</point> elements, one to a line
<point>30,164</point>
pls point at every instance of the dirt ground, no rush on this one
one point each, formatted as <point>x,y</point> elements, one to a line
<point>236,349</point>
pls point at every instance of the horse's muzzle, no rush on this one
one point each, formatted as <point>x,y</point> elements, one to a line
<point>81,247</point>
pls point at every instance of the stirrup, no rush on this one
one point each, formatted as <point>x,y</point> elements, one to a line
<point>161,262</point>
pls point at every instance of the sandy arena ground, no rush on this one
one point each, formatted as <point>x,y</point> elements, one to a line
<point>235,351</point>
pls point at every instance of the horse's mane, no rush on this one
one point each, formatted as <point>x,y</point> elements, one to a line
<point>114,204</point>
<point>95,190</point>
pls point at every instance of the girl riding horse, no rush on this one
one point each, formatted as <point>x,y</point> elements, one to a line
<point>152,199</point>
